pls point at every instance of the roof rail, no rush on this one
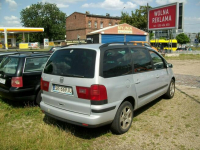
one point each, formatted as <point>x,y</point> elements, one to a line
<point>73,44</point>
<point>107,44</point>
<point>70,45</point>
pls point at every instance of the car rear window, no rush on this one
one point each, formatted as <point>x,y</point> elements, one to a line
<point>35,64</point>
<point>78,63</point>
<point>9,65</point>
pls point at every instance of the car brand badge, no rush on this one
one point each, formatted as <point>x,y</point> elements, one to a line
<point>61,79</point>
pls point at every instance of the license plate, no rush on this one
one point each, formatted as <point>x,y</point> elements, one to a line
<point>3,81</point>
<point>62,89</point>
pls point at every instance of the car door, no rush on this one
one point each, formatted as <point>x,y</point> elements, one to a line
<point>161,72</point>
<point>32,71</point>
<point>144,78</point>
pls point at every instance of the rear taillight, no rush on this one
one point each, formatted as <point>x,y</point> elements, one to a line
<point>94,93</point>
<point>17,82</point>
<point>98,92</point>
<point>44,85</point>
<point>83,92</point>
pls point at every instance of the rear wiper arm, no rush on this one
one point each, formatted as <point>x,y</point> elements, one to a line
<point>74,75</point>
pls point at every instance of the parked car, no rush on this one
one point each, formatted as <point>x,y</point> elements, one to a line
<point>52,49</point>
<point>181,49</point>
<point>20,76</point>
<point>4,54</point>
<point>93,85</point>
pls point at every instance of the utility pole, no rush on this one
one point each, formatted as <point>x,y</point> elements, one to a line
<point>148,22</point>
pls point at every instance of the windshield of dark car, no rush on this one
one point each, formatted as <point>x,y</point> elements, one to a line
<point>78,63</point>
<point>9,65</point>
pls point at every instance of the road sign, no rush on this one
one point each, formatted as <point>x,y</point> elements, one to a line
<point>163,17</point>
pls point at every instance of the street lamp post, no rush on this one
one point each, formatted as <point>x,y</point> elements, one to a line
<point>123,8</point>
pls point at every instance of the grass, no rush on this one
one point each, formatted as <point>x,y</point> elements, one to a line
<point>26,127</point>
<point>195,48</point>
<point>184,57</point>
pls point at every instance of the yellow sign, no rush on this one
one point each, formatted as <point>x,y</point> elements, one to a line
<point>125,29</point>
<point>9,36</point>
<point>51,44</point>
<point>23,46</point>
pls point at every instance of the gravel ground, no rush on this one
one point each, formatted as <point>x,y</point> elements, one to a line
<point>187,72</point>
<point>188,80</point>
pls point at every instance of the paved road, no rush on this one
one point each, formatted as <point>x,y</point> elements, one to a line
<point>188,80</point>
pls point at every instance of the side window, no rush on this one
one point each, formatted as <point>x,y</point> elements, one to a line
<point>1,58</point>
<point>35,64</point>
<point>101,25</point>
<point>116,62</point>
<point>141,60</point>
<point>95,24</point>
<point>89,24</point>
<point>157,61</point>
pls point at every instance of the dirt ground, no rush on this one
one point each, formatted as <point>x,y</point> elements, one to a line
<point>186,67</point>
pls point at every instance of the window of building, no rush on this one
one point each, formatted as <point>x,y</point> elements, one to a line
<point>95,24</point>
<point>116,23</point>
<point>141,60</point>
<point>89,24</point>
<point>101,25</point>
<point>110,24</point>
<point>75,17</point>
<point>157,61</point>
<point>116,62</point>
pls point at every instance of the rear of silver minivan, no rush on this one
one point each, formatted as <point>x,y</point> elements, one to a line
<point>71,92</point>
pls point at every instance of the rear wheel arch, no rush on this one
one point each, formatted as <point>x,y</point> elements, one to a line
<point>129,99</point>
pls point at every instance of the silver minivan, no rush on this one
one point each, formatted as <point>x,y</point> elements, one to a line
<point>97,84</point>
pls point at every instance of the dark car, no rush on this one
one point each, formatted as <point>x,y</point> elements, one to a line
<point>20,76</point>
<point>181,49</point>
<point>4,54</point>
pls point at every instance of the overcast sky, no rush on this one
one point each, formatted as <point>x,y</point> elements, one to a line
<point>10,9</point>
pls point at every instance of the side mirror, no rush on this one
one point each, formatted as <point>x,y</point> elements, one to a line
<point>170,65</point>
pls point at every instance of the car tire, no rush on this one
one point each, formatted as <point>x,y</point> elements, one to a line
<point>171,90</point>
<point>123,118</point>
<point>38,98</point>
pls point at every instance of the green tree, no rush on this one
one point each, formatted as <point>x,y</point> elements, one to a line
<point>151,35</point>
<point>182,38</point>
<point>198,37</point>
<point>47,16</point>
<point>137,19</point>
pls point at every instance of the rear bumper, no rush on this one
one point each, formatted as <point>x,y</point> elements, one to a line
<point>91,121</point>
<point>17,94</point>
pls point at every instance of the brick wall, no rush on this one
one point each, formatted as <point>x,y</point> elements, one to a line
<point>72,35</point>
<point>77,24</point>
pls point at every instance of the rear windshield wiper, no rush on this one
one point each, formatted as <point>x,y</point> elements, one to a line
<point>74,75</point>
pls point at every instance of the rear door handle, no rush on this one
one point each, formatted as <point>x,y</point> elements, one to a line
<point>137,81</point>
<point>157,76</point>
